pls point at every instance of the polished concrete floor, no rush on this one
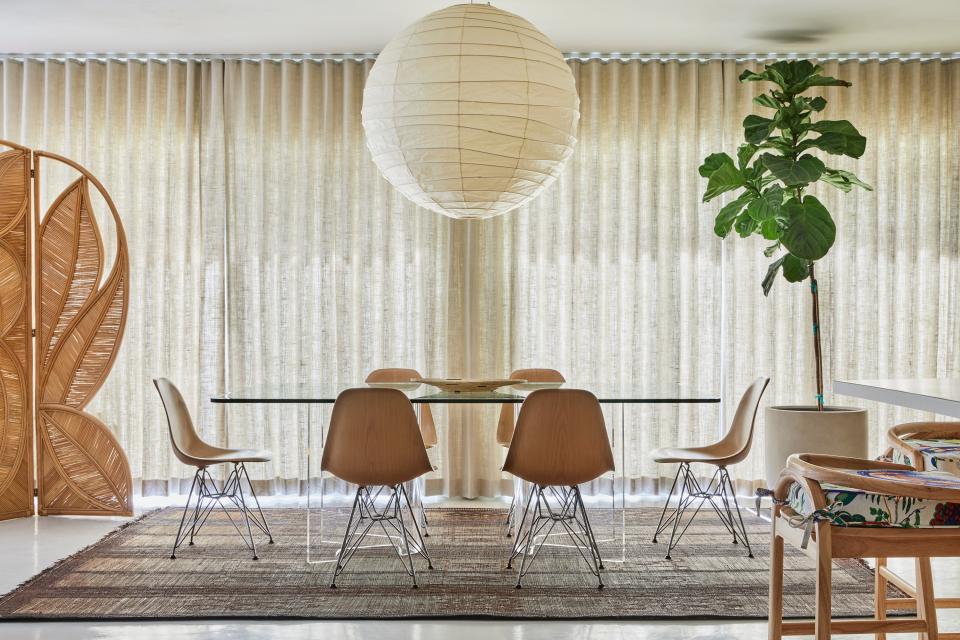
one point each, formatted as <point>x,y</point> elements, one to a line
<point>30,545</point>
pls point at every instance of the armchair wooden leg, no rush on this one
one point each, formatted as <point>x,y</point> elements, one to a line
<point>880,596</point>
<point>824,582</point>
<point>775,617</point>
<point>926,605</point>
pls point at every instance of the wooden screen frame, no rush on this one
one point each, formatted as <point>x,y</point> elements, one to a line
<point>74,319</point>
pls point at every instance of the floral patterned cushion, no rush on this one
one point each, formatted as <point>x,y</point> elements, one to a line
<point>858,508</point>
<point>938,455</point>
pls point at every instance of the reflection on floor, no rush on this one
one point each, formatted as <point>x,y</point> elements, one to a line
<point>30,545</point>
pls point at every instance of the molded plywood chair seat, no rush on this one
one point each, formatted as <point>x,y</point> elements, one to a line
<point>190,449</point>
<point>808,515</point>
<point>719,492</point>
<point>505,424</point>
<point>374,441</point>
<point>560,442</point>
<point>428,427</point>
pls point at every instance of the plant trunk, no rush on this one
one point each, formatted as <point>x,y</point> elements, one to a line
<point>817,350</point>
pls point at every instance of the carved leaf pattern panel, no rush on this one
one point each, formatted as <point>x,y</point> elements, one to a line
<point>82,469</point>
<point>16,438</point>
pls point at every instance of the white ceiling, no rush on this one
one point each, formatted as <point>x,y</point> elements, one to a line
<point>338,26</point>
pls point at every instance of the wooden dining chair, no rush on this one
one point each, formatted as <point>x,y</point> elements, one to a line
<point>560,443</point>
<point>205,496</point>
<point>505,424</point>
<point>374,442</point>
<point>719,491</point>
<point>428,429</point>
<point>831,507</point>
<point>925,446</point>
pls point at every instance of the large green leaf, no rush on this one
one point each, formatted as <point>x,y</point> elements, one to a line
<point>771,229</point>
<point>817,81</point>
<point>724,222</point>
<point>723,175</point>
<point>713,162</point>
<point>805,170</point>
<point>744,153</point>
<point>757,128</point>
<point>843,180</point>
<point>767,100</point>
<point>810,231</point>
<point>838,137</point>
<point>745,225</point>
<point>772,270</point>
<point>767,205</point>
<point>795,269</point>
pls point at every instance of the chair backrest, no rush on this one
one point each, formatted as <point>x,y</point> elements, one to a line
<point>374,439</point>
<point>186,442</point>
<point>428,428</point>
<point>735,444</point>
<point>505,424</point>
<point>560,440</point>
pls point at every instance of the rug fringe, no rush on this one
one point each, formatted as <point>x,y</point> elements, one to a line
<point>105,537</point>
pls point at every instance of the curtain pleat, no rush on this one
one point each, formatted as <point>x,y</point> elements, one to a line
<point>266,250</point>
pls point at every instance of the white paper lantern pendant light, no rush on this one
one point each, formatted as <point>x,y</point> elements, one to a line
<point>470,112</point>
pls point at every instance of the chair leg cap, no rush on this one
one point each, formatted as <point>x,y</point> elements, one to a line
<point>173,557</point>
<point>271,541</point>
<point>519,587</point>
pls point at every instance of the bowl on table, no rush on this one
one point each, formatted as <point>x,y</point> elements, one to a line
<point>463,385</point>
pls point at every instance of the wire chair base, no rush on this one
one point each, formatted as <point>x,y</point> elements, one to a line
<point>208,497</point>
<point>539,519</point>
<point>365,515</point>
<point>719,494</point>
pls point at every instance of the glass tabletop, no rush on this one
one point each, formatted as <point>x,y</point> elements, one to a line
<point>421,393</point>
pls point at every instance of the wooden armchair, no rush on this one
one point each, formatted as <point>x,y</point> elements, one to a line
<point>821,508</point>
<point>925,446</point>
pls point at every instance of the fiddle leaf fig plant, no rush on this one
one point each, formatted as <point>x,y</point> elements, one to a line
<point>778,162</point>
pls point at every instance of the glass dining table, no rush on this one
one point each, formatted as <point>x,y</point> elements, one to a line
<point>612,397</point>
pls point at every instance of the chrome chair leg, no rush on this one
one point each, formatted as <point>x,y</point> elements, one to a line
<point>718,493</point>
<point>365,515</point>
<point>209,498</point>
<point>177,540</point>
<point>667,504</point>
<point>572,517</point>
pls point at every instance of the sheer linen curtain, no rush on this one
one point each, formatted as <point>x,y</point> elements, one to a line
<point>267,250</point>
<point>332,272</point>
<point>139,127</point>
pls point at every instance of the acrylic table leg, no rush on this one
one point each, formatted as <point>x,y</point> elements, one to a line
<point>622,519</point>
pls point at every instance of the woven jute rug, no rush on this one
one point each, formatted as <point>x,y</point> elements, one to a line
<point>129,575</point>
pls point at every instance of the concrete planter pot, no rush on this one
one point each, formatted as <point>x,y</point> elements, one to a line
<point>841,431</point>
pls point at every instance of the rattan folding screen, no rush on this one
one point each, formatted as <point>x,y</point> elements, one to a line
<point>61,322</point>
